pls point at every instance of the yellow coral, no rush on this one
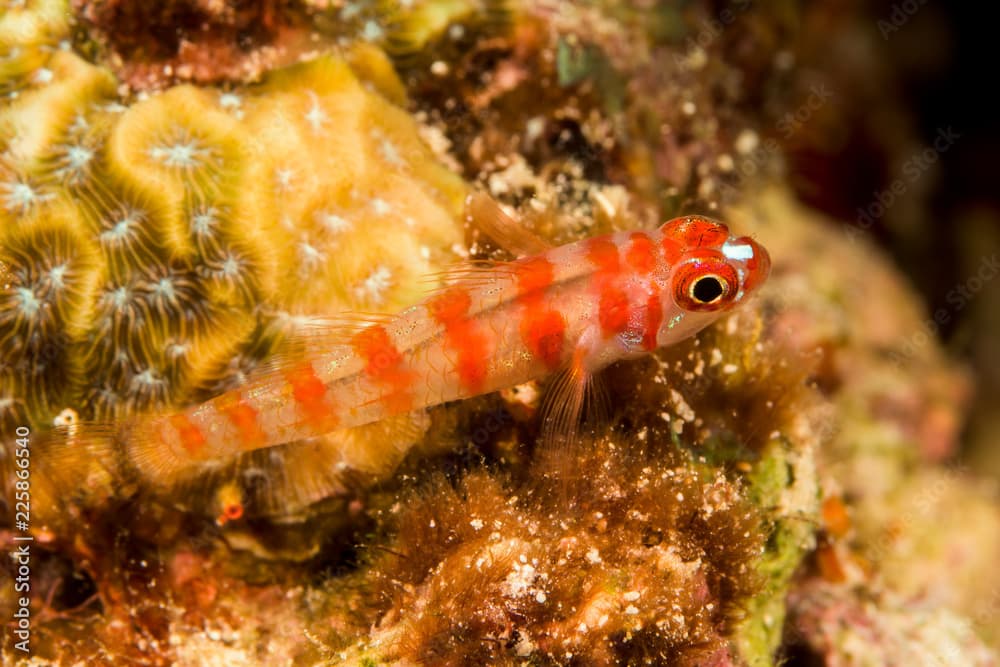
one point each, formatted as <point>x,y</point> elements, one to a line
<point>362,206</point>
<point>63,91</point>
<point>178,142</point>
<point>188,226</point>
<point>45,306</point>
<point>24,22</point>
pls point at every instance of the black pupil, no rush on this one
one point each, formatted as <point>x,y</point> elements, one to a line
<point>707,289</point>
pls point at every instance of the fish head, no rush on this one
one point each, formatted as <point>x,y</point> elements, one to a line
<point>712,271</point>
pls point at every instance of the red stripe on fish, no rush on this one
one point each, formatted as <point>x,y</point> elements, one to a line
<point>244,418</point>
<point>542,329</point>
<point>603,254</point>
<point>463,336</point>
<point>672,249</point>
<point>309,393</point>
<point>385,365</point>
<point>192,439</point>
<point>533,275</point>
<point>654,318</point>
<point>544,334</point>
<point>613,310</point>
<point>641,253</point>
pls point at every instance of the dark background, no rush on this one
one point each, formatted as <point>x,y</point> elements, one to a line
<point>946,71</point>
<point>900,73</point>
<point>943,62</point>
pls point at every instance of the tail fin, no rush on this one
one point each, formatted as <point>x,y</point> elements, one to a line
<point>70,466</point>
<point>83,455</point>
<point>159,461</point>
<point>91,463</point>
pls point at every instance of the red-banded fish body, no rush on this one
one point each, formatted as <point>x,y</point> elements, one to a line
<point>574,308</point>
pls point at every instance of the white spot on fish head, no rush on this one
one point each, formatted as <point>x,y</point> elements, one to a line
<point>737,250</point>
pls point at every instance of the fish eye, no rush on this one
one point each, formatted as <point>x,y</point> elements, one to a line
<point>707,289</point>
<point>705,283</point>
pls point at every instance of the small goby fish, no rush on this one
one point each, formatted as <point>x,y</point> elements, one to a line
<point>575,309</point>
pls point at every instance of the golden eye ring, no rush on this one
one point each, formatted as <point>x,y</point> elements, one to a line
<point>705,284</point>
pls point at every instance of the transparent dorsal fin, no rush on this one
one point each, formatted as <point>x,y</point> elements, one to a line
<point>485,214</point>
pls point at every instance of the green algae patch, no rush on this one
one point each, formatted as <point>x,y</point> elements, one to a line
<point>784,483</point>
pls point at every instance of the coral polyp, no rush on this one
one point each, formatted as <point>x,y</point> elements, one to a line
<point>45,129</point>
<point>369,184</point>
<point>45,303</point>
<point>179,143</point>
<point>50,291</point>
<point>131,230</point>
